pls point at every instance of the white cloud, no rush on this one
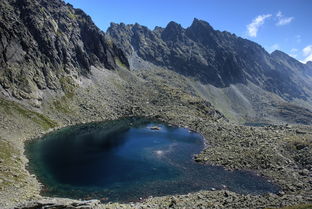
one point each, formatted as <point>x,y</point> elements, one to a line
<point>279,14</point>
<point>308,58</point>
<point>254,26</point>
<point>282,20</point>
<point>307,53</point>
<point>307,50</point>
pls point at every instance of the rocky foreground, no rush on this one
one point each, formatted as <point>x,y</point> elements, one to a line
<point>281,153</point>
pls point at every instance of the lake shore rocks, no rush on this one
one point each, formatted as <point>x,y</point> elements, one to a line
<point>281,153</point>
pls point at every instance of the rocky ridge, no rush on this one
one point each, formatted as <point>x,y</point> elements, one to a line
<point>221,63</point>
<point>48,45</point>
<point>220,58</point>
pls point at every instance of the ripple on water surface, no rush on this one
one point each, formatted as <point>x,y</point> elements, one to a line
<point>123,160</point>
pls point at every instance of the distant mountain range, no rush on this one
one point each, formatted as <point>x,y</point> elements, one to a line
<point>230,71</point>
<point>214,57</point>
<point>44,41</point>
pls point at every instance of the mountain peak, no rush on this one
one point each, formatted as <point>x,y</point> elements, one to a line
<point>112,24</point>
<point>173,31</point>
<point>197,21</point>
<point>309,64</point>
<point>138,27</point>
<point>200,23</point>
<point>174,25</point>
<point>280,55</point>
<point>214,57</point>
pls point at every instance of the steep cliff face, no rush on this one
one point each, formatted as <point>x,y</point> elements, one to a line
<point>213,57</point>
<point>42,42</point>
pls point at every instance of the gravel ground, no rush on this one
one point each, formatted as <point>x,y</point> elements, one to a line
<point>281,153</point>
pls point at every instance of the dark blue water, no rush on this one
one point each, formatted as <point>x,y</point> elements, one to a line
<point>124,160</point>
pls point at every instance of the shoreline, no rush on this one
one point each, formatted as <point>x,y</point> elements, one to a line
<point>268,151</point>
<point>147,200</point>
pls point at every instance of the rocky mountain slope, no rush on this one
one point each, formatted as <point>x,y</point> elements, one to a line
<point>47,45</point>
<point>223,63</point>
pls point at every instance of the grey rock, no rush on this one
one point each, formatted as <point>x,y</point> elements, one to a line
<point>43,41</point>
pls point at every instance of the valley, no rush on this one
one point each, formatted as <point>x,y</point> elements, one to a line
<point>58,69</point>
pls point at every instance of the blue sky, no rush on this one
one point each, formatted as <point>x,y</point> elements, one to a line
<point>275,24</point>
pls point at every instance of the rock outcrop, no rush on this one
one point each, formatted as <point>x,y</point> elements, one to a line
<point>48,44</point>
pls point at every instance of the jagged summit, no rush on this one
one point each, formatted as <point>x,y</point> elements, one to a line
<point>197,23</point>
<point>174,25</point>
<point>213,57</point>
<point>172,32</point>
<point>281,54</point>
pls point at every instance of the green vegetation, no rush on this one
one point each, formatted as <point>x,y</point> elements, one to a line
<point>297,142</point>
<point>61,106</point>
<point>110,42</point>
<point>10,172</point>
<point>12,108</point>
<point>6,151</point>
<point>68,85</point>
<point>119,63</point>
<point>71,15</point>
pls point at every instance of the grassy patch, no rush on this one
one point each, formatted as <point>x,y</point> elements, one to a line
<point>119,63</point>
<point>297,143</point>
<point>68,85</point>
<point>61,106</point>
<point>6,151</point>
<point>11,108</point>
<point>9,165</point>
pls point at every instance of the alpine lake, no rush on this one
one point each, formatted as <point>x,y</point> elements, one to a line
<point>128,159</point>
